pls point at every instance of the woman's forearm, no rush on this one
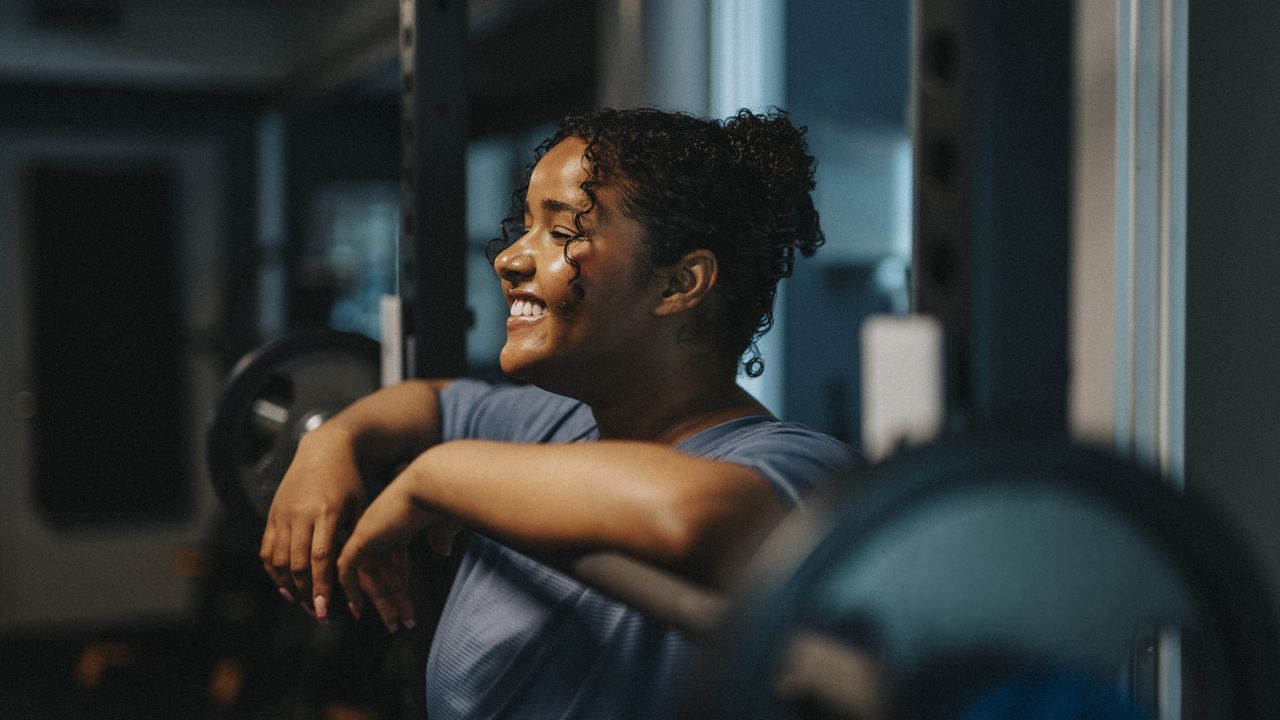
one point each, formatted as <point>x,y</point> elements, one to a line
<point>643,499</point>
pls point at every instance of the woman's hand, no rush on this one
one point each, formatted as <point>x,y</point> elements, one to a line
<point>323,491</point>
<point>374,564</point>
<point>318,501</point>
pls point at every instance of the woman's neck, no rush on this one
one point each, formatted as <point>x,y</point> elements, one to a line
<point>669,409</point>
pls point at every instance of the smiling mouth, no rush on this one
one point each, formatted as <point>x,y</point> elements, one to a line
<point>527,308</point>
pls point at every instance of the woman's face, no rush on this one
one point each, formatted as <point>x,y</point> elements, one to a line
<point>561,339</point>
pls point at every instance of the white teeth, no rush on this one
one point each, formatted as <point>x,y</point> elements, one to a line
<point>526,308</point>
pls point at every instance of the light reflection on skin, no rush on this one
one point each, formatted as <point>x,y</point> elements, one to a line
<point>584,337</point>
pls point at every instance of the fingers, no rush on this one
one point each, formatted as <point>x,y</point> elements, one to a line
<point>321,564</point>
<point>266,555</point>
<point>387,588</point>
<point>383,600</point>
<point>348,575</point>
<point>383,583</point>
<point>300,561</point>
<point>298,556</point>
<point>274,555</point>
<point>404,606</point>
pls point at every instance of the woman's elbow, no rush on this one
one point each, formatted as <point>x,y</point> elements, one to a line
<point>712,536</point>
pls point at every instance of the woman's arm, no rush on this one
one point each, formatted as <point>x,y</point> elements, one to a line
<point>698,516</point>
<point>323,492</point>
<point>643,499</point>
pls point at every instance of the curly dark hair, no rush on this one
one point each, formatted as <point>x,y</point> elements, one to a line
<point>739,188</point>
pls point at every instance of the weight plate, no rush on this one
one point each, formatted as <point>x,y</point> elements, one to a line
<point>982,559</point>
<point>272,397</point>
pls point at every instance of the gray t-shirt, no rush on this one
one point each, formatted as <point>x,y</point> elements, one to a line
<point>520,640</point>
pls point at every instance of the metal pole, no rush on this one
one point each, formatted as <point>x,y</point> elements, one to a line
<point>433,240</point>
<point>432,258</point>
<point>992,121</point>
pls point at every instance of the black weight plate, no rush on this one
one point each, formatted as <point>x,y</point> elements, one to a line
<point>1039,554</point>
<point>272,397</point>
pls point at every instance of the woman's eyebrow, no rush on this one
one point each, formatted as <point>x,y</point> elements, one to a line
<point>553,205</point>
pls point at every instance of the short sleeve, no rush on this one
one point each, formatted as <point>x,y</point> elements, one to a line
<point>471,409</point>
<point>793,458</point>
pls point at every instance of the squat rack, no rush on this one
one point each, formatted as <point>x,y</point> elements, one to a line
<point>991,89</point>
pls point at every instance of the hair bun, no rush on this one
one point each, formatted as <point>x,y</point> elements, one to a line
<point>775,151</point>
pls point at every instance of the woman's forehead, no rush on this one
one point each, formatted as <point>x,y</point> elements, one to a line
<point>556,182</point>
<point>564,166</point>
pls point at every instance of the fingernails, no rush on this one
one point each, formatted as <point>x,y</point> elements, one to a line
<point>322,609</point>
<point>354,612</point>
<point>288,596</point>
<point>409,624</point>
<point>391,627</point>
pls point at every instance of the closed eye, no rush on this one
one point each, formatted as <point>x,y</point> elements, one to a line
<point>562,235</point>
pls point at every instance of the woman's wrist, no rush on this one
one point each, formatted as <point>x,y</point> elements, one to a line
<point>413,480</point>
<point>336,442</point>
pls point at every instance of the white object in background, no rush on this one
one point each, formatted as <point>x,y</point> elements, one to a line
<point>902,394</point>
<point>392,341</point>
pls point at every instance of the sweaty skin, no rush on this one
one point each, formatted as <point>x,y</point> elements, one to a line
<point>614,343</point>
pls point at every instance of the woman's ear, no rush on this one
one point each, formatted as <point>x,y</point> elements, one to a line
<point>689,283</point>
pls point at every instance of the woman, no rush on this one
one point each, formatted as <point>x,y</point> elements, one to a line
<point>640,264</point>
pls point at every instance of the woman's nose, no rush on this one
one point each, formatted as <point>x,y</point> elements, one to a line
<point>514,264</point>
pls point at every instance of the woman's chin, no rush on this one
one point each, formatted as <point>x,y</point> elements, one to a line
<point>515,365</point>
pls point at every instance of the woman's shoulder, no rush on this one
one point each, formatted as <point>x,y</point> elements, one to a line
<point>764,430</point>
<point>794,458</point>
<point>513,412</point>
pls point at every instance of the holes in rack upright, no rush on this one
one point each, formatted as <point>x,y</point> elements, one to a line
<point>941,56</point>
<point>940,160</point>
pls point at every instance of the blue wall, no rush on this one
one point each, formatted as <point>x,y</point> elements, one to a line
<point>849,59</point>
<point>847,75</point>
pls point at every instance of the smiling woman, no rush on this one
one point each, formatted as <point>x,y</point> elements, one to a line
<point>578,267</point>
<point>640,263</point>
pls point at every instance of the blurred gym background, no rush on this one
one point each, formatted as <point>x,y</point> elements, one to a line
<point>182,180</point>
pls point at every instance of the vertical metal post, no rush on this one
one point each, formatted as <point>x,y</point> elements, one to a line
<point>1151,147</point>
<point>433,240</point>
<point>942,149</point>
<point>272,191</point>
<point>992,90</point>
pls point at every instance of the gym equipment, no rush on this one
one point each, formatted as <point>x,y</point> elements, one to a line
<point>948,570</point>
<point>978,560</point>
<point>991,203</point>
<point>980,577</point>
<point>274,396</point>
<point>433,142</point>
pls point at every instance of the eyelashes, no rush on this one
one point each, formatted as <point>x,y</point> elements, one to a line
<point>512,229</point>
<point>563,235</point>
